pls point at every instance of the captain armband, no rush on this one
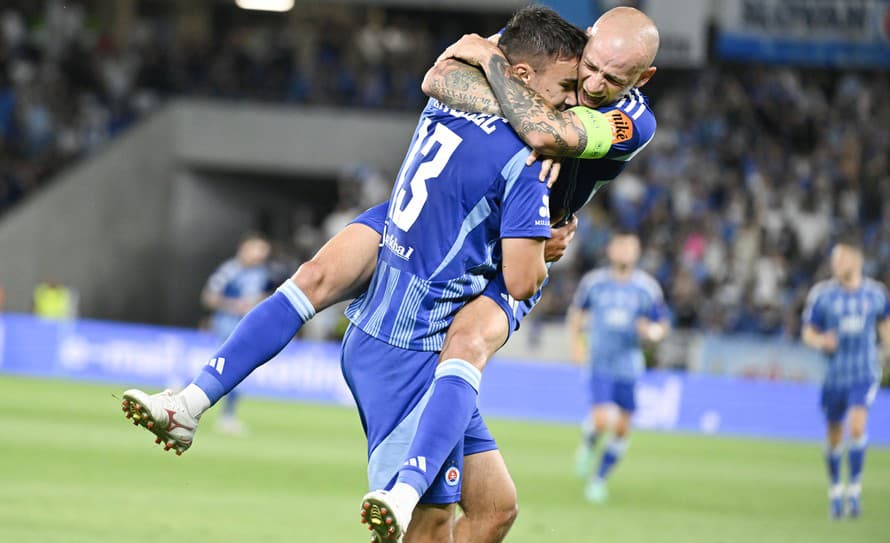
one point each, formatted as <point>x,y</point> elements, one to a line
<point>598,130</point>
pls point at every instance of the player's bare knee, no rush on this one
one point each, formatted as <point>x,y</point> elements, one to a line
<point>310,277</point>
<point>857,424</point>
<point>467,343</point>
<point>622,425</point>
<point>505,517</point>
<point>493,524</point>
<point>835,434</point>
<point>600,420</point>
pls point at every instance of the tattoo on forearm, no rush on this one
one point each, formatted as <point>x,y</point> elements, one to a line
<point>464,87</point>
<point>529,113</point>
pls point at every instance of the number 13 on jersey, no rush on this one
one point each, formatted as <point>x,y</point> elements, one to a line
<point>404,214</point>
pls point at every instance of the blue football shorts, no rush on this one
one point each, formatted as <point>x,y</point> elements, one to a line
<point>605,390</point>
<point>391,386</point>
<point>836,400</point>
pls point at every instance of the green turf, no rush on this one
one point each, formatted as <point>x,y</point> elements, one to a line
<point>74,471</point>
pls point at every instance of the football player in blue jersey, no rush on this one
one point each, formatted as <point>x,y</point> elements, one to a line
<point>477,331</point>
<point>840,319</point>
<point>615,309</point>
<point>616,62</point>
<point>234,288</point>
<point>465,206</point>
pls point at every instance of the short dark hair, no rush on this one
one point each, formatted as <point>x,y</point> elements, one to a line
<point>850,239</point>
<point>536,33</point>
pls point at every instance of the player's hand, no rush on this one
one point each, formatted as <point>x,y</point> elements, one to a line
<point>829,342</point>
<point>549,165</point>
<point>651,331</point>
<point>555,247</point>
<point>470,48</point>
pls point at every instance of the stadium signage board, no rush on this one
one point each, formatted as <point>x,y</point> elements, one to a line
<point>838,33</point>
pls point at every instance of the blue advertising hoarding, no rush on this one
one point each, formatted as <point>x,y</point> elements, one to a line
<point>836,33</point>
<point>155,357</point>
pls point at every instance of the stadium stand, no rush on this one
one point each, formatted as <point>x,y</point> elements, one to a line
<point>738,199</point>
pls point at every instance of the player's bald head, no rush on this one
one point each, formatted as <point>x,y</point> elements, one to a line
<point>618,56</point>
<point>629,30</point>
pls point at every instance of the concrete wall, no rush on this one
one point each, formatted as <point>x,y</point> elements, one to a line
<point>137,227</point>
<point>99,227</point>
<point>288,139</point>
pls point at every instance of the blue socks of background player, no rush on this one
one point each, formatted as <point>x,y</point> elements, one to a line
<point>856,457</point>
<point>833,456</point>
<point>613,453</point>
<point>260,335</point>
<point>443,422</point>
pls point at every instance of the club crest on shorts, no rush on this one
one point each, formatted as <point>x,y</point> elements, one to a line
<point>452,476</point>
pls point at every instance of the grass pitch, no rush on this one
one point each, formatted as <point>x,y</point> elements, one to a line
<point>73,470</point>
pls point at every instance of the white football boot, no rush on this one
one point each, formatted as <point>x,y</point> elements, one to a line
<point>163,414</point>
<point>384,517</point>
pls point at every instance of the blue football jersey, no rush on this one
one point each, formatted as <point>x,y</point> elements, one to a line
<point>234,280</point>
<point>462,187</point>
<point>853,316</point>
<point>633,127</point>
<point>614,307</point>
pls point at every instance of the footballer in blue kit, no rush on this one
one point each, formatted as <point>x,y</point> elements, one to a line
<point>464,206</point>
<point>233,289</point>
<point>345,265</point>
<point>842,318</point>
<point>463,192</point>
<point>615,308</point>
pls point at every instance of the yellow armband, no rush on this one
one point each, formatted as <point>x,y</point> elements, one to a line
<point>598,130</point>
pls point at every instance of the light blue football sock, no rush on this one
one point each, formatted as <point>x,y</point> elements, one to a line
<point>260,335</point>
<point>442,424</point>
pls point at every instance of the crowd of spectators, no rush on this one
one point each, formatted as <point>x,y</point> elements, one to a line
<point>68,84</point>
<point>752,174</point>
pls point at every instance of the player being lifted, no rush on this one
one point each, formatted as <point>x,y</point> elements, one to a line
<point>840,319</point>
<point>615,309</point>
<point>478,329</point>
<point>621,147</point>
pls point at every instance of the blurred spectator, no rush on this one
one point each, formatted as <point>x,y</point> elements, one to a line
<point>53,300</point>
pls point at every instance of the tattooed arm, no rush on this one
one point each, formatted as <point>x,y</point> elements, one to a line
<point>461,86</point>
<point>547,130</point>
